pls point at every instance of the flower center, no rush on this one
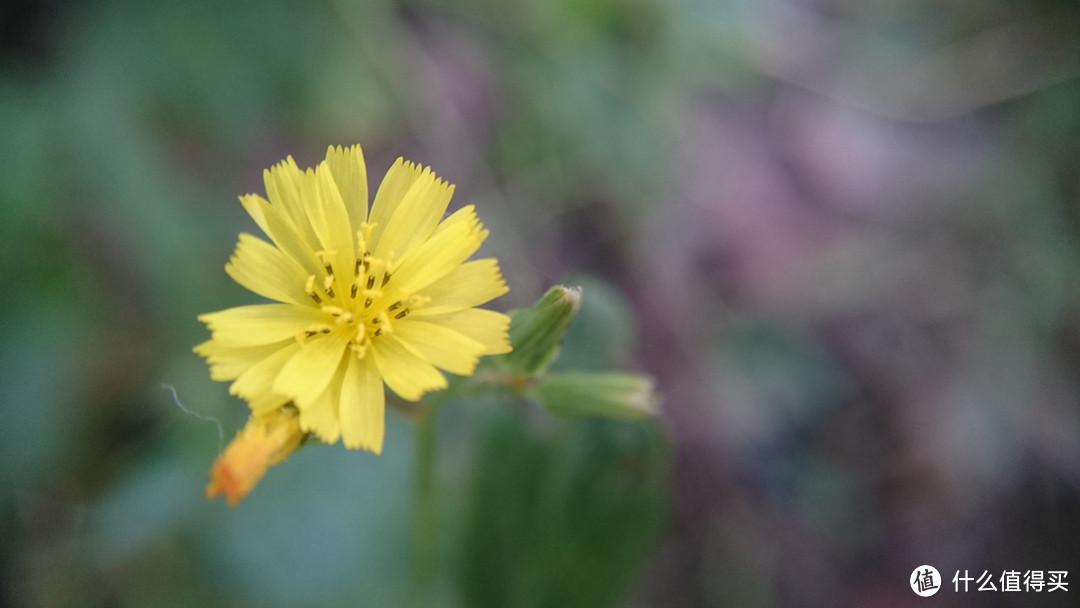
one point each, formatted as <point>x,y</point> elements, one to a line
<point>363,302</point>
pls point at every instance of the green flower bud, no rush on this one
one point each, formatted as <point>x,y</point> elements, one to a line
<point>611,395</point>
<point>536,332</point>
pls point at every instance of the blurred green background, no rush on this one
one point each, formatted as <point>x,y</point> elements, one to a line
<point>841,235</point>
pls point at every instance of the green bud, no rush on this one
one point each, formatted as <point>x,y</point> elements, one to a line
<point>536,332</point>
<point>611,395</point>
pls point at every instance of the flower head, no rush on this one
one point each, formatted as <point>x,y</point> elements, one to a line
<point>364,297</point>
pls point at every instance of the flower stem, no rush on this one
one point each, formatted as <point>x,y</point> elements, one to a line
<point>425,530</point>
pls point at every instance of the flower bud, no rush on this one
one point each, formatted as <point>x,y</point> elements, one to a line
<point>536,332</point>
<point>264,441</point>
<point>610,395</point>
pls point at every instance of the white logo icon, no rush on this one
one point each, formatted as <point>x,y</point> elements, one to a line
<point>925,581</point>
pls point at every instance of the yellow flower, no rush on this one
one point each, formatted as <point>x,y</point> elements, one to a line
<point>364,297</point>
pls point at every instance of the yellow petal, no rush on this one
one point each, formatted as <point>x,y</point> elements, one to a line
<point>256,207</point>
<point>363,406</point>
<point>440,346</point>
<point>405,373</point>
<point>309,370</point>
<point>333,226</point>
<point>261,323</point>
<point>255,383</point>
<point>451,244</point>
<point>395,184</point>
<point>471,284</point>
<point>266,402</point>
<point>288,189</point>
<point>350,174</point>
<point>281,231</point>
<point>228,362</point>
<point>320,416</point>
<point>265,270</point>
<point>420,209</point>
<point>490,328</point>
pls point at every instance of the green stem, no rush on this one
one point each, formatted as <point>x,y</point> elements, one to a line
<point>425,530</point>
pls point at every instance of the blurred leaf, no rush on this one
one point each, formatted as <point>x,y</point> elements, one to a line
<point>328,527</point>
<point>561,520</point>
<point>794,378</point>
<point>36,376</point>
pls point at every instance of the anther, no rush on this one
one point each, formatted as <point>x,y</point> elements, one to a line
<point>309,288</point>
<point>385,278</point>
<point>352,292</point>
<point>324,257</point>
<point>401,314</point>
<point>368,227</point>
<point>418,300</point>
<point>394,306</point>
<point>328,285</point>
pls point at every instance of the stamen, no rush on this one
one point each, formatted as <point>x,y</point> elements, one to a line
<point>370,295</point>
<point>360,348</point>
<point>385,278</point>
<point>401,314</point>
<point>328,284</point>
<point>367,227</point>
<point>383,323</point>
<point>309,288</point>
<point>324,257</point>
<point>416,301</point>
<point>303,336</point>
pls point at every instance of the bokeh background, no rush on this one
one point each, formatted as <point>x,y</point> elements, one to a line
<point>842,236</point>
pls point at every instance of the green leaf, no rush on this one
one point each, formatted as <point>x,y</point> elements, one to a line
<point>562,519</point>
